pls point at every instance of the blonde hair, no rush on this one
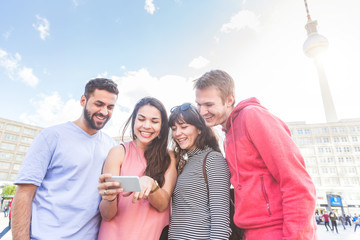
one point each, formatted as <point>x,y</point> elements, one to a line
<point>218,79</point>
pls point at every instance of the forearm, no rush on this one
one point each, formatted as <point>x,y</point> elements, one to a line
<point>21,214</point>
<point>108,209</point>
<point>159,199</point>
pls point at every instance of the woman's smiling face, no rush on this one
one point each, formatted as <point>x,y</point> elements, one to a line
<point>147,125</point>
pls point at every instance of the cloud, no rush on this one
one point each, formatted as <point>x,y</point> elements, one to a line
<point>15,71</point>
<point>243,19</point>
<point>43,26</point>
<point>28,77</point>
<point>199,62</point>
<point>7,34</point>
<point>75,2</point>
<point>132,85</point>
<point>51,110</point>
<point>149,6</point>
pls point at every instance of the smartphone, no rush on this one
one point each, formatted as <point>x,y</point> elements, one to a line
<point>128,183</point>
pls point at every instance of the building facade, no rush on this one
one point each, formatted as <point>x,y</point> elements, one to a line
<point>332,155</point>
<point>15,139</point>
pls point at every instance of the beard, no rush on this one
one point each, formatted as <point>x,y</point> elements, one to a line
<point>91,121</point>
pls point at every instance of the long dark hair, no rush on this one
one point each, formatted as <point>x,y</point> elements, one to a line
<point>156,154</point>
<point>187,113</point>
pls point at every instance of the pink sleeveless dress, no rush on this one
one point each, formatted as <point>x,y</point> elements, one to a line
<point>134,220</point>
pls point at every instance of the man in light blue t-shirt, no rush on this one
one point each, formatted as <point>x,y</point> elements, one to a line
<point>57,196</point>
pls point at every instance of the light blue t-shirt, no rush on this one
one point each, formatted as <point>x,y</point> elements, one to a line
<point>65,163</point>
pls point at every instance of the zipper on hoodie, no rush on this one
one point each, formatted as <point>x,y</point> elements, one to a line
<point>265,194</point>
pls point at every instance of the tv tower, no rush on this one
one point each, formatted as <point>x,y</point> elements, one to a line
<point>314,45</point>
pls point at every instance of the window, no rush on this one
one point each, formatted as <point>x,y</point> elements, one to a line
<point>346,149</point>
<point>307,131</point>
<point>9,146</point>
<point>300,131</point>
<point>10,137</point>
<point>7,156</point>
<point>338,149</point>
<point>13,177</point>
<point>19,157</point>
<point>310,160</point>
<point>354,138</point>
<point>340,159</point>
<point>354,181</point>
<point>307,151</point>
<point>4,165</point>
<point>312,171</point>
<point>26,140</point>
<point>326,139</point>
<point>22,149</point>
<point>342,130</point>
<point>324,130</point>
<point>334,130</point>
<point>342,170</point>
<point>330,160</point>
<point>349,160</point>
<point>324,170</point>
<point>357,149</point>
<point>352,129</point>
<point>318,140</point>
<point>344,139</point>
<point>13,128</point>
<point>29,131</point>
<point>16,167</point>
<point>336,139</point>
<point>3,176</point>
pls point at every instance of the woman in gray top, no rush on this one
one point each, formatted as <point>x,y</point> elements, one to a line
<point>200,208</point>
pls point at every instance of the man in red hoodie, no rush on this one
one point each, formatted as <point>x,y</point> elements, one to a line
<point>274,194</point>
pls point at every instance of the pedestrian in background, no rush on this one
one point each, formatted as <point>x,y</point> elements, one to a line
<point>342,220</point>
<point>333,219</point>
<point>325,216</point>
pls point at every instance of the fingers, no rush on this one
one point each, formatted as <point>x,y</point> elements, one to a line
<point>104,176</point>
<point>108,190</point>
<point>146,184</point>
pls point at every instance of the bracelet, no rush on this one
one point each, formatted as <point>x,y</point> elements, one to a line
<point>110,200</point>
<point>156,188</point>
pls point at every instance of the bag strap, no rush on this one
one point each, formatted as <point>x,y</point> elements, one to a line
<point>204,173</point>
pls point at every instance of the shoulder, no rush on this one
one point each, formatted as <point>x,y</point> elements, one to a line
<point>214,155</point>
<point>215,158</point>
<point>118,149</point>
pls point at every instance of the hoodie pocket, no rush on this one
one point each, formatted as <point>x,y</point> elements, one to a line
<point>265,194</point>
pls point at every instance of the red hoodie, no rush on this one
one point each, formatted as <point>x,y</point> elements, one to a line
<point>272,186</point>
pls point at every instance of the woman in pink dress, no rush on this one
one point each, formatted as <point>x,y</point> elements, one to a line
<point>139,215</point>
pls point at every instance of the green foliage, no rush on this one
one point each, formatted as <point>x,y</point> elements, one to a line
<point>8,190</point>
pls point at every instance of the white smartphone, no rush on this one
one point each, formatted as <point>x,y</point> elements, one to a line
<point>128,183</point>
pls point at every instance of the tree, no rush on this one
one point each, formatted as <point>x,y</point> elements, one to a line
<point>8,191</point>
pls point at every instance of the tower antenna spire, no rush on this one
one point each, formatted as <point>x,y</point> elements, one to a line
<point>307,11</point>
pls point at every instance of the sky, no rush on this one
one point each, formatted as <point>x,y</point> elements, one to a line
<point>49,50</point>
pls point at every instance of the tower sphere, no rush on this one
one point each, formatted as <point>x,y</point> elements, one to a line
<point>315,44</point>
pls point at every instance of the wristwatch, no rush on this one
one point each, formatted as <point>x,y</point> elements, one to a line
<point>156,188</point>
